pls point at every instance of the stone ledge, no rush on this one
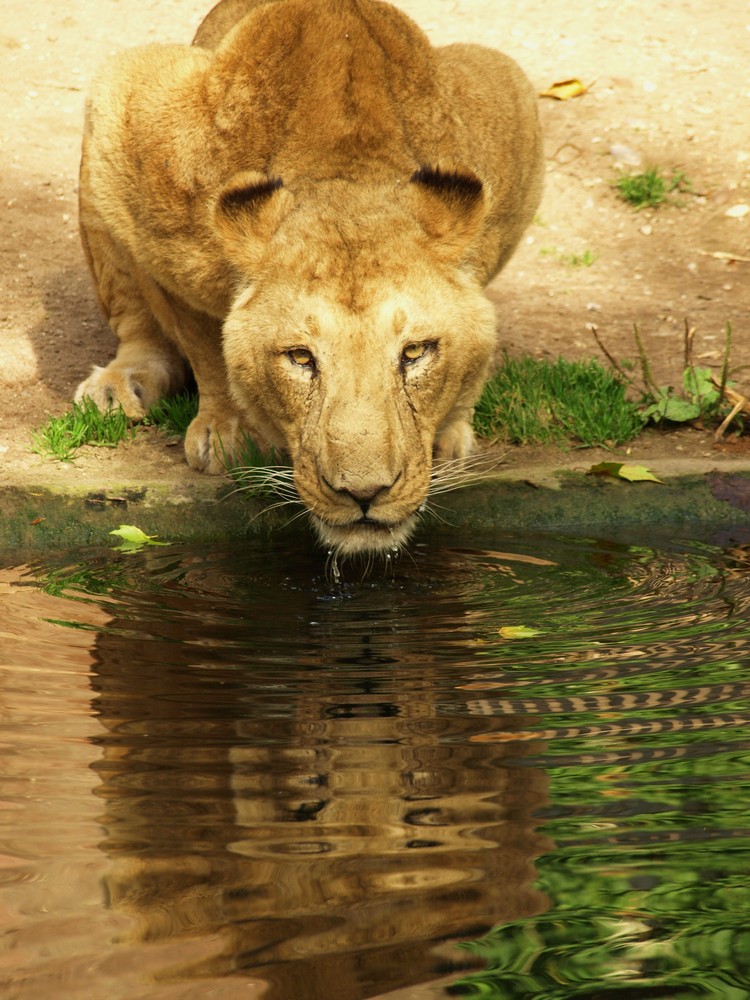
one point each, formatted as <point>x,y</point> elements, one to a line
<point>532,499</point>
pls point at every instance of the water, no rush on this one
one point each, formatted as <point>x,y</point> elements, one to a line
<point>228,774</point>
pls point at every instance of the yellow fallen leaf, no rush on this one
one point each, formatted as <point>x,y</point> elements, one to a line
<point>134,538</point>
<point>517,632</point>
<point>619,470</point>
<point>565,89</point>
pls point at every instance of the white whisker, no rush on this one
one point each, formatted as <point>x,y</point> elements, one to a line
<point>271,480</point>
<point>275,506</point>
<point>276,482</point>
<point>398,551</point>
<point>294,517</point>
<point>255,490</point>
<point>458,474</point>
<point>432,510</point>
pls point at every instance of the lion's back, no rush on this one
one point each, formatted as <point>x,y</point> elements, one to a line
<point>266,89</point>
<point>463,104</point>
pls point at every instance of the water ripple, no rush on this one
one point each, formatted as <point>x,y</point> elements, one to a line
<point>226,769</point>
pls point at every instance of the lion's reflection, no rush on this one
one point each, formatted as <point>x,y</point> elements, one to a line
<point>325,816</point>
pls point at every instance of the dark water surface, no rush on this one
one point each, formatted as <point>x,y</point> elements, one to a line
<point>225,775</point>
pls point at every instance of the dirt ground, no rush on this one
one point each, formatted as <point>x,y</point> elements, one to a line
<point>668,87</point>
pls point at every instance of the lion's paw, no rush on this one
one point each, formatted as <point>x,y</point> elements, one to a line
<point>454,442</point>
<point>135,391</point>
<point>212,442</point>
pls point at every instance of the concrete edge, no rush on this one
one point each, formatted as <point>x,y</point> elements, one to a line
<point>206,511</point>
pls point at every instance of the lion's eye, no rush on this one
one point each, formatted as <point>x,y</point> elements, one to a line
<point>302,357</point>
<point>413,352</point>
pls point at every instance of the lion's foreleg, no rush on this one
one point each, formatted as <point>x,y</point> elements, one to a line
<point>148,366</point>
<point>218,433</point>
<point>161,339</point>
<point>455,438</point>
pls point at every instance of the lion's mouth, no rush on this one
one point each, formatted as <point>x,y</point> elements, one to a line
<point>365,535</point>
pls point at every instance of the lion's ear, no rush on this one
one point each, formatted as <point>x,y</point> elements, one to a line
<point>450,205</point>
<point>248,212</point>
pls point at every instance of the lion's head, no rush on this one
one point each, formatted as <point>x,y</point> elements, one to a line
<point>363,340</point>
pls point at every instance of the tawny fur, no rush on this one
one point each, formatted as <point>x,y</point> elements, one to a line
<point>309,176</point>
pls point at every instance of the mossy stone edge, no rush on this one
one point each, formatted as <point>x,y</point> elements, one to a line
<point>204,512</point>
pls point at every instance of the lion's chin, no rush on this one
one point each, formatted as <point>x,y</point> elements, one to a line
<point>364,537</point>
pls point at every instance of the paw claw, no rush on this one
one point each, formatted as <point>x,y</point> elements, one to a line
<point>212,442</point>
<point>135,387</point>
<point>109,388</point>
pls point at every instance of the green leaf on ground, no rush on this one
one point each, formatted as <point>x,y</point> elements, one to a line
<point>133,538</point>
<point>672,408</point>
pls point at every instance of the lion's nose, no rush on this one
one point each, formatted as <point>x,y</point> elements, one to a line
<point>364,499</point>
<point>364,494</point>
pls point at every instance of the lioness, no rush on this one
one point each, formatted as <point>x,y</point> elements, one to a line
<point>303,207</point>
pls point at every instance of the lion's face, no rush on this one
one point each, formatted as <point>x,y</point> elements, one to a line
<point>360,362</point>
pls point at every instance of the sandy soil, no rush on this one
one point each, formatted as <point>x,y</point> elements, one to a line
<point>669,87</point>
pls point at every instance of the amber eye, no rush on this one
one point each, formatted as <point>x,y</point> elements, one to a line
<point>413,352</point>
<point>302,357</point>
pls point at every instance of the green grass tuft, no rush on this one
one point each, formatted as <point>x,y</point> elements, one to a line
<point>174,415</point>
<point>573,260</point>
<point>650,188</point>
<point>84,424</point>
<point>529,401</point>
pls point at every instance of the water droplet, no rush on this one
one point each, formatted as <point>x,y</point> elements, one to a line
<point>335,571</point>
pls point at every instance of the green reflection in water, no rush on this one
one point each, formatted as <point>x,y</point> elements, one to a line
<point>676,926</point>
<point>648,883</point>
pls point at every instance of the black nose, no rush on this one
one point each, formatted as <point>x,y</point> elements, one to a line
<point>364,495</point>
<point>364,498</point>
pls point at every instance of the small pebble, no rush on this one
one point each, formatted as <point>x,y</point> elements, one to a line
<point>625,155</point>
